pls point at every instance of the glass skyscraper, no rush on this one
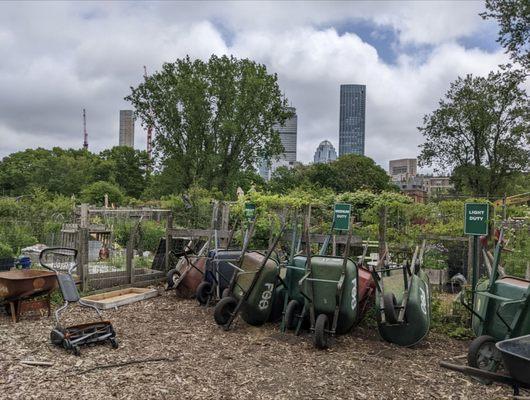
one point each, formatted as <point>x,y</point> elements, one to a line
<point>288,133</point>
<point>325,153</point>
<point>352,119</point>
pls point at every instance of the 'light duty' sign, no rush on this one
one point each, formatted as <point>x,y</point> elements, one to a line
<point>476,218</point>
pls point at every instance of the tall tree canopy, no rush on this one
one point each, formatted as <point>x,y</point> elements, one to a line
<point>513,17</point>
<point>129,168</point>
<point>348,173</point>
<point>212,119</point>
<point>480,131</point>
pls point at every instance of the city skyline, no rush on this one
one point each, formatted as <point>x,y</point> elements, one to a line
<point>406,63</point>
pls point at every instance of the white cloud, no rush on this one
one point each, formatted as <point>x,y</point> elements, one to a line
<point>61,58</point>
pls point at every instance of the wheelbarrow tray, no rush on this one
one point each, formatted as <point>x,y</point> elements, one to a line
<point>326,272</point>
<point>417,315</point>
<point>500,300</point>
<point>191,275</point>
<point>25,283</point>
<point>516,357</point>
<point>222,268</point>
<point>257,309</point>
<point>293,274</point>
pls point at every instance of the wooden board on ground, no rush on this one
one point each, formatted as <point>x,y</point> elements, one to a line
<point>120,297</point>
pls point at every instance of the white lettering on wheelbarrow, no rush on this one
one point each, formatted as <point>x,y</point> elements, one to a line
<point>354,294</point>
<point>423,301</point>
<point>266,296</point>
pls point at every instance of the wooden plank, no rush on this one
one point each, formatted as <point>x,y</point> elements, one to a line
<point>194,233</point>
<point>117,298</point>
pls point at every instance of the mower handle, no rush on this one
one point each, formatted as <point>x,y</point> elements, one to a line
<point>57,249</point>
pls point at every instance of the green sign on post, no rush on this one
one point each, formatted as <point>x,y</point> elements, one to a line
<point>250,211</point>
<point>341,217</point>
<point>476,218</point>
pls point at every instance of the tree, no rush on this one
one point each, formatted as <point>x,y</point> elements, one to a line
<point>481,127</point>
<point>212,119</point>
<point>58,171</point>
<point>513,17</point>
<point>354,172</point>
<point>129,168</point>
<point>95,193</point>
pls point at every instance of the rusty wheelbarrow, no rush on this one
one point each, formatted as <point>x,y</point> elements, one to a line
<point>19,285</point>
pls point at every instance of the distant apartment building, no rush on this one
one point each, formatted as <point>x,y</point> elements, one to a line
<point>413,187</point>
<point>352,119</point>
<point>126,128</point>
<point>288,136</point>
<point>325,153</point>
<point>437,185</point>
<point>403,169</point>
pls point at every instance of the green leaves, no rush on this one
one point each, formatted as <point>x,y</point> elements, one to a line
<point>480,131</point>
<point>212,119</point>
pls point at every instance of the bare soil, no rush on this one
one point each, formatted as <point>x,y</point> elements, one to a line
<point>176,351</point>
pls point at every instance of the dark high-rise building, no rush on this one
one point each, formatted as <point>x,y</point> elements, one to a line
<point>352,119</point>
<point>126,128</point>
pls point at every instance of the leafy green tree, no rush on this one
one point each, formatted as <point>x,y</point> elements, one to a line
<point>95,193</point>
<point>129,168</point>
<point>480,131</point>
<point>353,172</point>
<point>284,179</point>
<point>212,119</point>
<point>59,171</point>
<point>513,17</point>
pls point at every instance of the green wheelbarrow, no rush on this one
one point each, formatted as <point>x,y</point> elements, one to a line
<point>501,310</point>
<point>403,301</point>
<point>330,289</point>
<point>253,289</point>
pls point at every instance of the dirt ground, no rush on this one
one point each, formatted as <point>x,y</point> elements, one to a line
<point>198,360</point>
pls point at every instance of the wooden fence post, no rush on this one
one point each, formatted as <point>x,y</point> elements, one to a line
<point>382,231</point>
<point>168,240</point>
<point>129,255</point>
<point>82,247</point>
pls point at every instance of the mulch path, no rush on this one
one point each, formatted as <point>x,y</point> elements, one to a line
<point>172,349</point>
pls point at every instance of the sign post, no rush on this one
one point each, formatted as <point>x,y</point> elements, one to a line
<point>476,224</point>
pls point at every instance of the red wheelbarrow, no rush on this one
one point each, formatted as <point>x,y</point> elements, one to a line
<point>19,285</point>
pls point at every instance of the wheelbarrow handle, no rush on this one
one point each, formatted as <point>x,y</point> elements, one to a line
<point>57,249</point>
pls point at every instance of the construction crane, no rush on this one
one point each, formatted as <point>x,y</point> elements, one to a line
<point>149,129</point>
<point>85,134</point>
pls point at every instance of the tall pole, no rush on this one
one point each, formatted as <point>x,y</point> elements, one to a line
<point>85,134</point>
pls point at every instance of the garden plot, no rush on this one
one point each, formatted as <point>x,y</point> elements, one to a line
<point>172,349</point>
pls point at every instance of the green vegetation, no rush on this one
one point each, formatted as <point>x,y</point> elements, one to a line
<point>480,130</point>
<point>213,119</point>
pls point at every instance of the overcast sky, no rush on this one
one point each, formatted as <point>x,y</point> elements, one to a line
<point>58,58</point>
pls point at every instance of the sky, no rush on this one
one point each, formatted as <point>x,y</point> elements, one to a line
<point>58,58</point>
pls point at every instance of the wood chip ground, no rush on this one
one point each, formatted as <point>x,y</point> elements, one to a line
<point>172,349</point>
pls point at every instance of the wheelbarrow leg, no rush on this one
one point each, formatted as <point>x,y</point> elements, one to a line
<point>301,320</point>
<point>13,311</point>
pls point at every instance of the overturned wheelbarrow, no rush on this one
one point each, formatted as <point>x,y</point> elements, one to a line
<point>253,290</point>
<point>403,302</point>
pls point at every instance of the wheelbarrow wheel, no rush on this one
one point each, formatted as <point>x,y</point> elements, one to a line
<point>172,275</point>
<point>292,314</point>
<point>57,335</point>
<point>204,293</point>
<point>321,332</point>
<point>483,354</point>
<point>224,309</point>
<point>389,308</point>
